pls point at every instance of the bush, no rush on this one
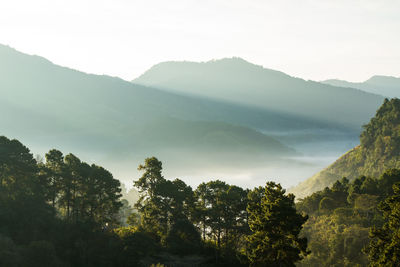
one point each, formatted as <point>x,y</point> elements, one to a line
<point>183,238</point>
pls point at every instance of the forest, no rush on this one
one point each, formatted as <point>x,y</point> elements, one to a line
<point>354,223</point>
<point>61,211</point>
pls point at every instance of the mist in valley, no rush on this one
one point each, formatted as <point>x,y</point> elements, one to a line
<point>313,151</point>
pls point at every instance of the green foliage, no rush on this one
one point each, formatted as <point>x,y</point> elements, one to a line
<point>183,238</point>
<point>384,248</point>
<point>169,209</point>
<point>40,254</point>
<point>54,213</point>
<point>24,213</point>
<point>79,191</point>
<point>338,227</point>
<point>9,253</point>
<point>220,213</point>
<point>136,245</point>
<point>275,227</point>
<point>18,170</point>
<point>65,212</point>
<point>327,204</point>
<point>379,150</point>
<point>162,201</point>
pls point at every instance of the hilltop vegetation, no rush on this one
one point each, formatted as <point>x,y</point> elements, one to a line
<point>378,151</point>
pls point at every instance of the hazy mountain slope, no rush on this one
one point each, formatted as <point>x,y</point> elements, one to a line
<point>378,151</point>
<point>34,83</point>
<point>382,85</point>
<point>45,104</point>
<point>238,81</point>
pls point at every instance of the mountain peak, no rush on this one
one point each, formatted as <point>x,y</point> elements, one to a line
<point>230,66</point>
<point>380,80</point>
<point>230,60</point>
<point>237,81</point>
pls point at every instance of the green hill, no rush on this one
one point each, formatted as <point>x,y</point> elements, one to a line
<point>378,151</point>
<point>238,81</point>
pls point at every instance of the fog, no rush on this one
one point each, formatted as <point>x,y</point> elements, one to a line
<point>315,154</point>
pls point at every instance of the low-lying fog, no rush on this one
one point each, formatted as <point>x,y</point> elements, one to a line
<point>317,149</point>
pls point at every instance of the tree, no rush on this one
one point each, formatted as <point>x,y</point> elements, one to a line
<point>101,194</point>
<point>202,195</point>
<point>220,213</point>
<point>18,170</point>
<point>69,185</point>
<point>216,202</point>
<point>327,204</point>
<point>384,248</point>
<point>24,212</point>
<point>162,202</point>
<point>275,227</point>
<point>54,170</point>
<point>151,178</point>
<point>154,215</point>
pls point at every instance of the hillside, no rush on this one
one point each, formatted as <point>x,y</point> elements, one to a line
<point>238,81</point>
<point>378,151</point>
<point>382,85</point>
<point>114,121</point>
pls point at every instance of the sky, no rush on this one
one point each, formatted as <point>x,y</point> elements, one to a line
<point>311,39</point>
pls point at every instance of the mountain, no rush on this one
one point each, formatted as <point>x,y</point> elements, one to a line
<point>378,151</point>
<point>238,81</point>
<point>382,85</point>
<point>114,121</point>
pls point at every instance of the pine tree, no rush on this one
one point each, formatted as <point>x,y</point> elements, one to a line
<point>275,227</point>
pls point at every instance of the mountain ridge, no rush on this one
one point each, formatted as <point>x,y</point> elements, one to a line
<point>107,118</point>
<point>388,86</point>
<point>240,82</point>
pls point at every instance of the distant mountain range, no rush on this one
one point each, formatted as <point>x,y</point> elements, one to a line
<point>382,85</point>
<point>378,151</point>
<point>47,103</point>
<point>191,115</point>
<point>238,81</point>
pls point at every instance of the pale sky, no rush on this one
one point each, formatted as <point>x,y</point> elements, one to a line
<point>311,39</point>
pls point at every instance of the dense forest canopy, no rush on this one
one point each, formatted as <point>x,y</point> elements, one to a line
<point>343,215</point>
<point>61,211</point>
